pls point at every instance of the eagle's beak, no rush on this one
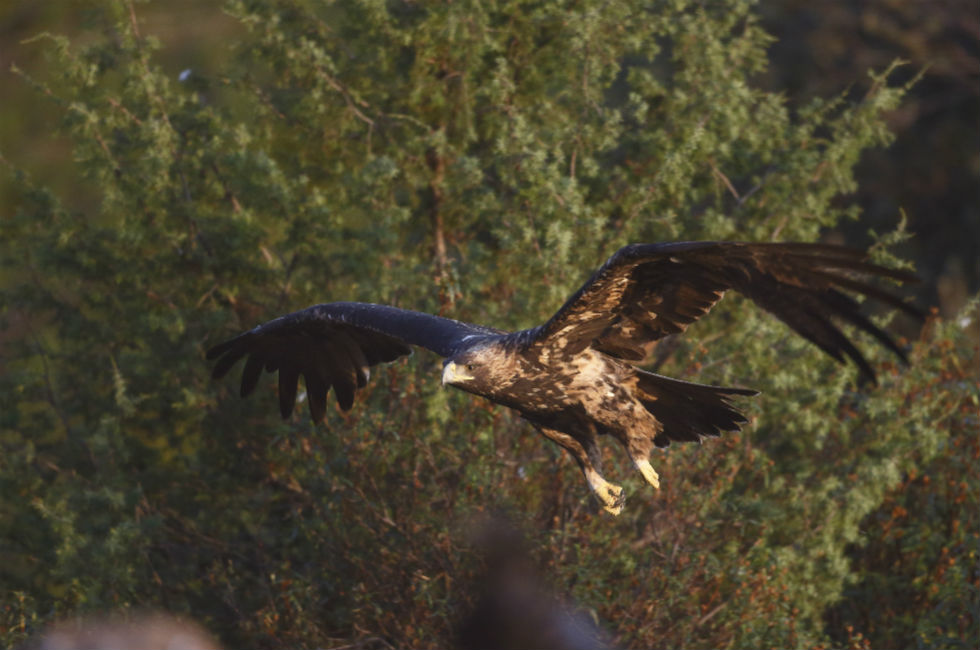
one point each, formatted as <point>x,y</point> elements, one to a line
<point>453,374</point>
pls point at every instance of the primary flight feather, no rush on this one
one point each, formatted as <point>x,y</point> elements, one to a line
<point>571,377</point>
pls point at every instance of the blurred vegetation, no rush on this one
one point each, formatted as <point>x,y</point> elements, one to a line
<point>932,170</point>
<point>476,161</point>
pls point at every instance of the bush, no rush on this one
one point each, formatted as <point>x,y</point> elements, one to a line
<point>473,161</point>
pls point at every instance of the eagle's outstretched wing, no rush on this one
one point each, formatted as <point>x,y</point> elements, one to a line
<point>647,291</point>
<point>334,345</point>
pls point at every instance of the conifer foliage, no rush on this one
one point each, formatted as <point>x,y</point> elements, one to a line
<point>476,160</point>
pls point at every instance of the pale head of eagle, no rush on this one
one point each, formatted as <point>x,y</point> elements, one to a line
<point>482,369</point>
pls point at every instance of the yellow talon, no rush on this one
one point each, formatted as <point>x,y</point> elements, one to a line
<point>648,472</point>
<point>611,496</point>
<point>617,507</point>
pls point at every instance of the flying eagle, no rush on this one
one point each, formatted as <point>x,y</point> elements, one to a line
<point>572,377</point>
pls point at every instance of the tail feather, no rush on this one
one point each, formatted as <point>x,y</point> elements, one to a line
<point>688,411</point>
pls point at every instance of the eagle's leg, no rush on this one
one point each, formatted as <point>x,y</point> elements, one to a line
<point>586,454</point>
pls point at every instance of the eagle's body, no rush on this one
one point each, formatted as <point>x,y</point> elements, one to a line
<point>572,399</point>
<point>571,377</point>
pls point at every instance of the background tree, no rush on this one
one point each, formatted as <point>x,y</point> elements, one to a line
<point>474,161</point>
<point>932,169</point>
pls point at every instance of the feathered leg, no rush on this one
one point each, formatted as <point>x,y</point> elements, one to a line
<point>586,454</point>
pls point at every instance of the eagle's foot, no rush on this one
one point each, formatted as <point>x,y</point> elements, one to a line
<point>618,500</point>
<point>648,472</point>
<point>611,496</point>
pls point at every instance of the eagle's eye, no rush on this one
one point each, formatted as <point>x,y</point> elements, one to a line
<point>470,366</point>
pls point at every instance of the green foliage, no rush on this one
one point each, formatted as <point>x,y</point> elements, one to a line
<point>918,549</point>
<point>475,161</point>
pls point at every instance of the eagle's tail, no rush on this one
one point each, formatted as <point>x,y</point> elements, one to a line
<point>688,411</point>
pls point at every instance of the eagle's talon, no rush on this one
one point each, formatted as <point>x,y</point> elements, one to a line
<point>612,496</point>
<point>618,500</point>
<point>648,472</point>
<point>613,510</point>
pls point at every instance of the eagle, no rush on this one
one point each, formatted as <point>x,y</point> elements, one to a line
<point>575,378</point>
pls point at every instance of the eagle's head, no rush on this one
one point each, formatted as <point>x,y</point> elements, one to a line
<point>476,369</point>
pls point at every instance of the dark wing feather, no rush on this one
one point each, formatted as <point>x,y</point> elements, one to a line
<point>645,292</point>
<point>333,346</point>
<point>288,383</point>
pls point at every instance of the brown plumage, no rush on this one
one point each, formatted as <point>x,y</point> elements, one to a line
<point>571,377</point>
